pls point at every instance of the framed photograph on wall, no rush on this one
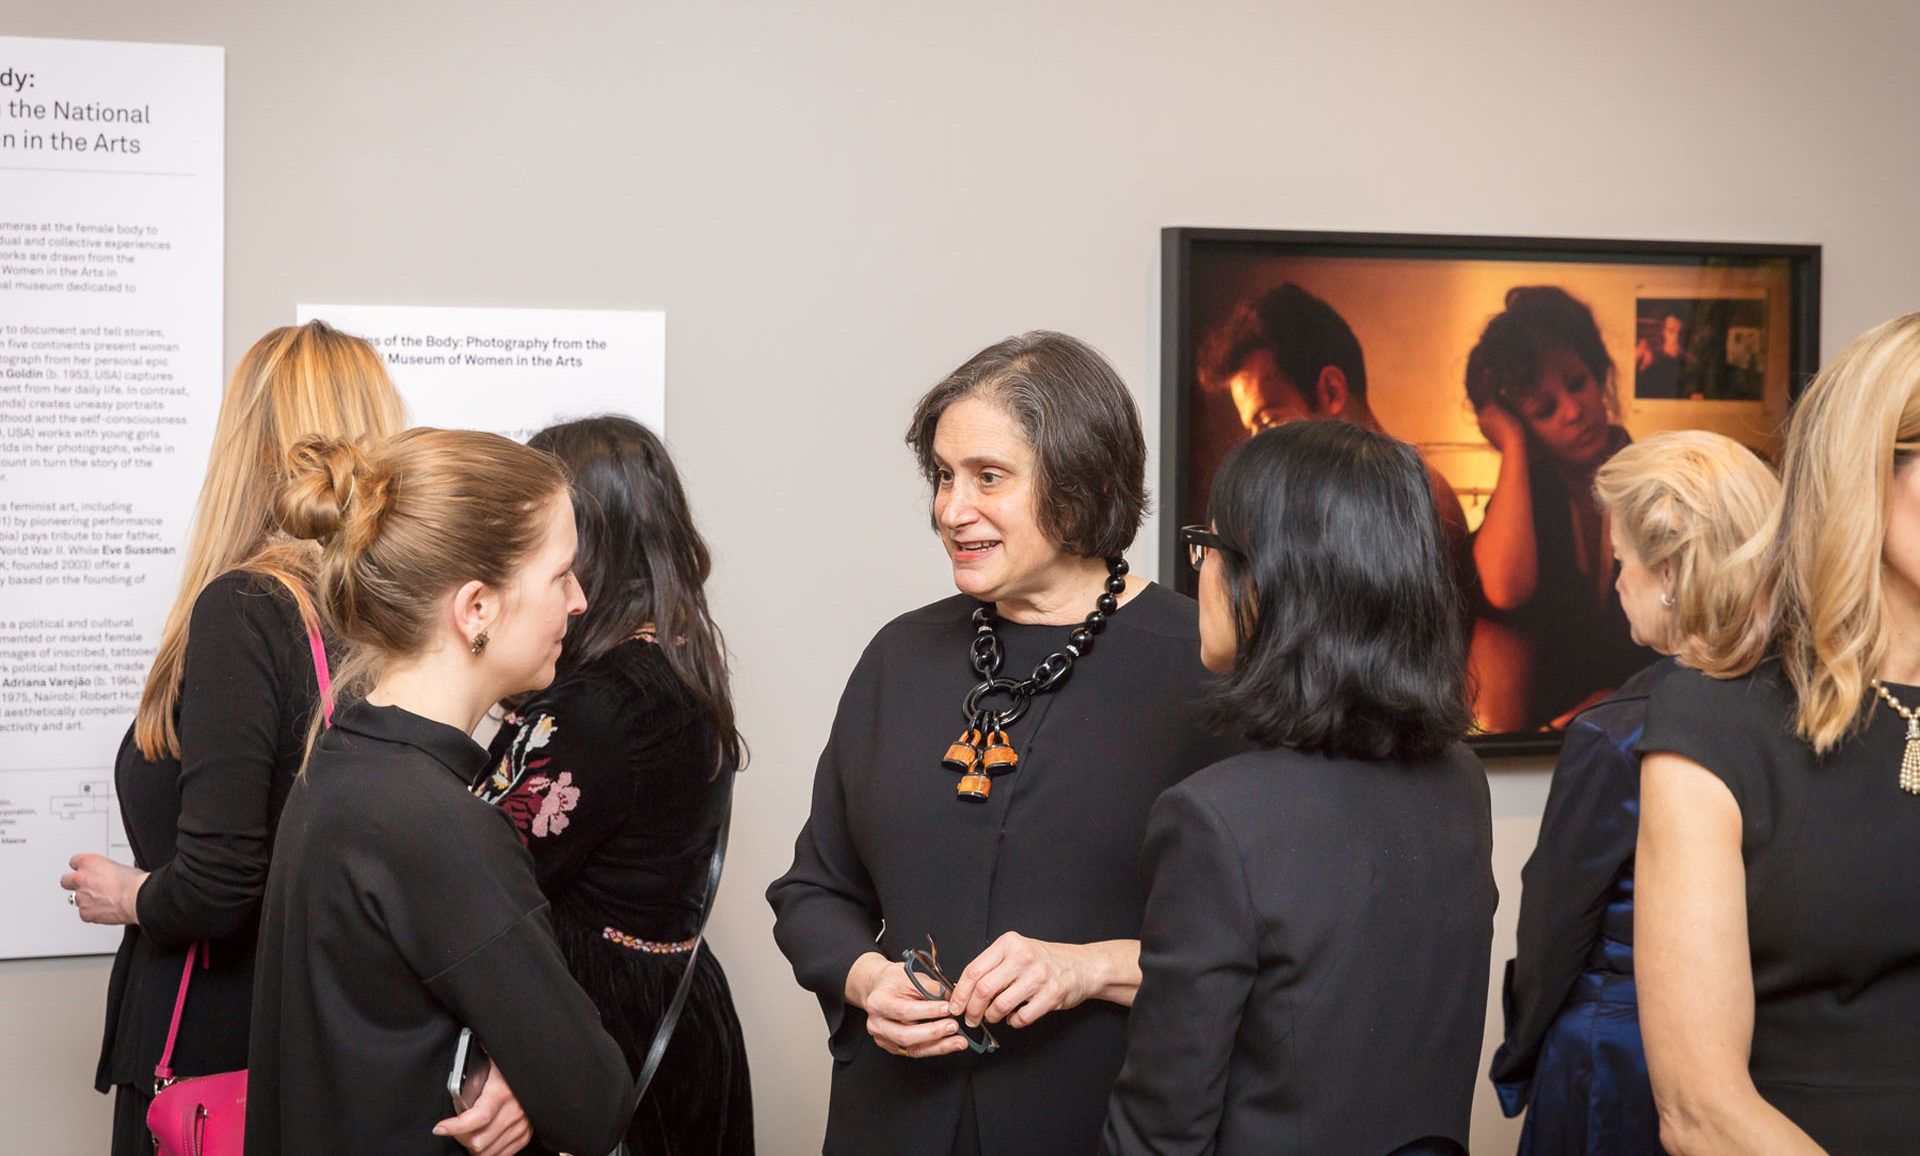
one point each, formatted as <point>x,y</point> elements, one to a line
<point>1557,352</point>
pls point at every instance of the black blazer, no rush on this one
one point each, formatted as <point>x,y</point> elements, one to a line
<point>1314,959</point>
<point>203,825</point>
<point>1053,854</point>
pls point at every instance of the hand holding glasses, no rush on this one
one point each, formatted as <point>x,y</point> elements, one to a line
<point>926,965</point>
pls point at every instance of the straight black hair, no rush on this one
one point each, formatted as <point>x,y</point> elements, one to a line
<point>1346,611</point>
<point>641,561</point>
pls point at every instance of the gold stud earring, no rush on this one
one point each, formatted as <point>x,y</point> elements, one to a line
<point>479,642</point>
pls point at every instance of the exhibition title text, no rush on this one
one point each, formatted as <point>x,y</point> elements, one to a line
<point>66,126</point>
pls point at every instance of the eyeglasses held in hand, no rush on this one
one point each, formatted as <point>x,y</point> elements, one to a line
<point>927,964</point>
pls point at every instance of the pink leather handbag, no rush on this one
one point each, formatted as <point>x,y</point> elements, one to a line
<point>207,1115</point>
<point>202,1116</point>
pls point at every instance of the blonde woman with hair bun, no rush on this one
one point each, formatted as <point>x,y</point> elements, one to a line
<point>400,908</point>
<point>206,765</point>
<point>1680,508</point>
<point>1778,920</point>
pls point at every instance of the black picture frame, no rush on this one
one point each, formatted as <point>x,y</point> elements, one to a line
<point>1190,256</point>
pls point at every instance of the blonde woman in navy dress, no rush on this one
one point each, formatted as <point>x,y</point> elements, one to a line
<point>1679,505</point>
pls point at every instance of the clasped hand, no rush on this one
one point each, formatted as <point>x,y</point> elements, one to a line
<point>1014,981</point>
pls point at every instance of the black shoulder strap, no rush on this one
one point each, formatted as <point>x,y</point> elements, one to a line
<point>664,1033</point>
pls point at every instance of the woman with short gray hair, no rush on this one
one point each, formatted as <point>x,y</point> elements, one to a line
<point>967,909</point>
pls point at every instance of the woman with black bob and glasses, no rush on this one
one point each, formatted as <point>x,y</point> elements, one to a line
<point>1314,955</point>
<point>616,779</point>
<point>985,788</point>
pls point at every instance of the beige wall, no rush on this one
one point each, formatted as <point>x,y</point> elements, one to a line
<point>836,202</point>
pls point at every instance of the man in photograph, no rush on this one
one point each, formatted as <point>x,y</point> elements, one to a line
<point>1662,366</point>
<point>1285,355</point>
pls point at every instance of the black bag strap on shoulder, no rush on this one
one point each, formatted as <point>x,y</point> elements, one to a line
<point>657,1050</point>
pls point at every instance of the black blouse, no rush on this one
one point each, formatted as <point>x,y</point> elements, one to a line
<point>203,826</point>
<point>1832,852</point>
<point>608,776</point>
<point>1314,960</point>
<point>890,855</point>
<point>399,909</point>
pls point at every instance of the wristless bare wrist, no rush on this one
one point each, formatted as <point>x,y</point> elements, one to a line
<point>860,978</point>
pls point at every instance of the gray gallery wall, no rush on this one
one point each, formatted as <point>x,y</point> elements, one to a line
<point>836,202</point>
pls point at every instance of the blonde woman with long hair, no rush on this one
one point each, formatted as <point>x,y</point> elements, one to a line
<point>1778,919</point>
<point>1679,507</point>
<point>222,723</point>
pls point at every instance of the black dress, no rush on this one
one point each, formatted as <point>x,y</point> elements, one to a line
<point>399,909</point>
<point>1572,1057</point>
<point>609,778</point>
<point>1314,961</point>
<point>203,825</point>
<point>1832,852</point>
<point>1053,854</point>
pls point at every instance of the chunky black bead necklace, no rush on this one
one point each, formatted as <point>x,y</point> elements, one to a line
<point>983,750</point>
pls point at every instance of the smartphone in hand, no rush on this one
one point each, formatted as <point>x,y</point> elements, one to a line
<point>471,1066</point>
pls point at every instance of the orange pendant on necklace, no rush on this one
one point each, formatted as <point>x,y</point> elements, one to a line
<point>984,749</point>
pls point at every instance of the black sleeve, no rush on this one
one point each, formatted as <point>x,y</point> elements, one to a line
<point>1198,962</point>
<point>235,698</point>
<point>1586,834</point>
<point>825,908</point>
<point>1725,725</point>
<point>569,782</point>
<point>463,910</point>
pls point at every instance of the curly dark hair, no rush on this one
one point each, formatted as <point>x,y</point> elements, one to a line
<point>1506,362</point>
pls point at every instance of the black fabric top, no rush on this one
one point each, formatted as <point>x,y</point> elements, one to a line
<point>203,826</point>
<point>1832,851</point>
<point>399,909</point>
<point>1569,618</point>
<point>1576,895</point>
<point>608,776</point>
<point>1314,960</point>
<point>1052,854</point>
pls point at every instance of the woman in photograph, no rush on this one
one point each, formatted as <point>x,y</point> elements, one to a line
<point>205,768</point>
<point>400,909</point>
<point>1549,636</point>
<point>1314,954</point>
<point>616,778</point>
<point>1777,921</point>
<point>1680,507</point>
<point>985,787</point>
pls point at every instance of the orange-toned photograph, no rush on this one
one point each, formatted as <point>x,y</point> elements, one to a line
<point>1516,367</point>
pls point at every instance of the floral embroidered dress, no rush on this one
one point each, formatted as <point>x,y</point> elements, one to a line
<point>608,776</point>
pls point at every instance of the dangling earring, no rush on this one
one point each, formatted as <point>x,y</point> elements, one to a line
<point>479,642</point>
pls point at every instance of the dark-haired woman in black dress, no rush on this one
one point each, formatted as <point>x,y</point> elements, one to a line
<point>1314,959</point>
<point>616,777</point>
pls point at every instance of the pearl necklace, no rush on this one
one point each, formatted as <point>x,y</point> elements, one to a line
<point>1910,758</point>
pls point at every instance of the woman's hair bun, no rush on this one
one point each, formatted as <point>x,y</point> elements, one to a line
<point>329,485</point>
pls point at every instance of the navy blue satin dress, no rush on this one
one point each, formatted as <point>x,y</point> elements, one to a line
<point>1572,1057</point>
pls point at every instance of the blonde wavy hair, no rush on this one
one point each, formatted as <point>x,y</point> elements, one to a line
<point>296,382</point>
<point>1821,605</point>
<point>1689,500</point>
